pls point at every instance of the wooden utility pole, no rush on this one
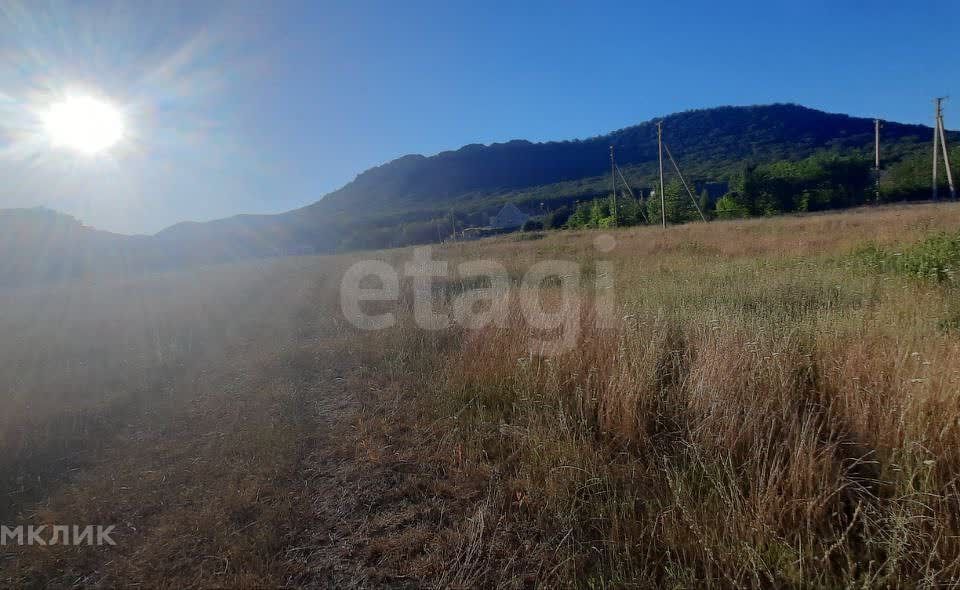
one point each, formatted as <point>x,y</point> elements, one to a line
<point>613,182</point>
<point>946,153</point>
<point>663,200</point>
<point>936,147</point>
<point>876,160</point>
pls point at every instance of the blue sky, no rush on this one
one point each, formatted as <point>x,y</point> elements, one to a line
<point>262,107</point>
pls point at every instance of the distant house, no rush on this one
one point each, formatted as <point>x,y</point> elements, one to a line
<point>509,217</point>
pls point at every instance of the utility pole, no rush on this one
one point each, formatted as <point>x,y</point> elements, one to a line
<point>663,200</point>
<point>876,161</point>
<point>946,153</point>
<point>936,147</point>
<point>613,182</point>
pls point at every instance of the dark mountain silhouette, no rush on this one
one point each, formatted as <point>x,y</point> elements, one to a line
<point>403,201</point>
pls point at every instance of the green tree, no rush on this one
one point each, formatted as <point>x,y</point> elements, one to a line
<point>580,217</point>
<point>910,177</point>
<point>679,207</point>
<point>630,212</point>
<point>729,206</point>
<point>557,218</point>
<point>600,213</point>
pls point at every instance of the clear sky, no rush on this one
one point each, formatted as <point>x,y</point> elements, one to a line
<point>262,107</point>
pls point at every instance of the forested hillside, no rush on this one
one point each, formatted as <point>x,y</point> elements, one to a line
<point>407,200</point>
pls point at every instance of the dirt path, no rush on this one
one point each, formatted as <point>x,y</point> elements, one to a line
<point>380,512</point>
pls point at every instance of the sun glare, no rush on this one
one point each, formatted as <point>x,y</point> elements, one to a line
<point>84,124</point>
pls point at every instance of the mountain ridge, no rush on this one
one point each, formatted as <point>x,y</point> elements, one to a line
<point>600,163</point>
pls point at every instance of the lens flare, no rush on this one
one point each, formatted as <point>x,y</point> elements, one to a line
<point>84,124</point>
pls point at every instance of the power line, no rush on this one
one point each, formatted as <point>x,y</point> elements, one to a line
<point>684,182</point>
<point>629,190</point>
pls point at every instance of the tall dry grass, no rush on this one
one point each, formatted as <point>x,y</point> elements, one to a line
<point>768,410</point>
<point>766,413</point>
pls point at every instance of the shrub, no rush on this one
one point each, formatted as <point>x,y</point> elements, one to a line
<point>937,258</point>
<point>729,208</point>
<point>556,219</point>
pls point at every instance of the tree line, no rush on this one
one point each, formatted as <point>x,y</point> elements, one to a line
<point>823,181</point>
<point>826,180</point>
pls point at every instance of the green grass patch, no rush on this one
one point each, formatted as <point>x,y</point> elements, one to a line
<point>936,258</point>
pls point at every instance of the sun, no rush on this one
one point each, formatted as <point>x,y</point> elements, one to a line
<point>84,124</point>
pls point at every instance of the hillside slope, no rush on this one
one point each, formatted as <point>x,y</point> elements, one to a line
<point>711,142</point>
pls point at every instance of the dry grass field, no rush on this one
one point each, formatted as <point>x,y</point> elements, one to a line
<point>777,404</point>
